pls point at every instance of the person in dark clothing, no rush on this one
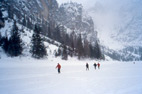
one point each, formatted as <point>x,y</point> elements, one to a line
<point>59,67</point>
<point>87,66</point>
<point>98,65</point>
<point>95,65</point>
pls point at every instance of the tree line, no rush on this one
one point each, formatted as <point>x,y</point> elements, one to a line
<point>71,45</point>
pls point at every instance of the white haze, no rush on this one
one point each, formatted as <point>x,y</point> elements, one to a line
<point>110,16</point>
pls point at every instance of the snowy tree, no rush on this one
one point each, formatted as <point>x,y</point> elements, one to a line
<point>49,31</point>
<point>80,47</point>
<point>67,40</point>
<point>38,49</point>
<point>15,42</point>
<point>91,51</point>
<point>72,45</point>
<point>59,52</point>
<point>5,43</point>
<point>57,34</point>
<point>64,54</point>
<point>97,51</point>
<point>86,49</point>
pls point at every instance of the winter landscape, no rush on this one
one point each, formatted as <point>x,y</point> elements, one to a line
<point>70,47</point>
<point>41,77</point>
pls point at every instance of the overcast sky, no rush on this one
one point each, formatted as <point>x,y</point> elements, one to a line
<point>108,3</point>
<point>85,3</point>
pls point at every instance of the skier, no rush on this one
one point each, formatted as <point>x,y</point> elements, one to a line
<point>87,66</point>
<point>95,65</point>
<point>98,65</point>
<point>59,67</point>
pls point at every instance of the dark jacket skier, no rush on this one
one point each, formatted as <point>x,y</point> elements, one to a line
<point>59,67</point>
<point>95,65</point>
<point>87,66</point>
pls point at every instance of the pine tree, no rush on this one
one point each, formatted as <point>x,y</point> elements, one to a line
<point>80,47</point>
<point>5,43</point>
<point>56,54</point>
<point>67,40</point>
<point>86,49</point>
<point>15,42</point>
<point>91,51</point>
<point>24,22</point>
<point>72,41</point>
<point>49,31</point>
<point>57,34</point>
<point>64,54</point>
<point>0,39</point>
<point>72,45</point>
<point>97,51</point>
<point>38,49</point>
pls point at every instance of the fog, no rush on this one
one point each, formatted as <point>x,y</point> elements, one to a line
<point>110,13</point>
<point>111,16</point>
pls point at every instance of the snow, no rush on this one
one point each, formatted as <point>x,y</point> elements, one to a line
<point>39,3</point>
<point>5,14</point>
<point>7,28</point>
<point>30,76</point>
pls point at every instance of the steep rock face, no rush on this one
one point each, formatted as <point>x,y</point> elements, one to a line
<point>31,9</point>
<point>73,16</point>
<point>30,12</point>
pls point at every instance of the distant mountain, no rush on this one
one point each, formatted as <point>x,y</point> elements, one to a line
<point>119,29</point>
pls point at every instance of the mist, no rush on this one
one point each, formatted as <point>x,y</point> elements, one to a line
<point>112,17</point>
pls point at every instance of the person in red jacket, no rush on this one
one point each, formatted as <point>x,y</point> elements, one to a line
<point>98,65</point>
<point>59,67</point>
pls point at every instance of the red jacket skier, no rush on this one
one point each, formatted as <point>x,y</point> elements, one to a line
<point>59,67</point>
<point>98,65</point>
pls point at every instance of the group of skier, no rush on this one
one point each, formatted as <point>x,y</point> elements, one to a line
<point>87,66</point>
<point>95,66</point>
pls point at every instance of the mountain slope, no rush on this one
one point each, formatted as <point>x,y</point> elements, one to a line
<point>119,28</point>
<point>71,29</point>
<point>73,16</point>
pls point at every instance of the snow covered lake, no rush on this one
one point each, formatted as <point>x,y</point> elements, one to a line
<point>19,76</point>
